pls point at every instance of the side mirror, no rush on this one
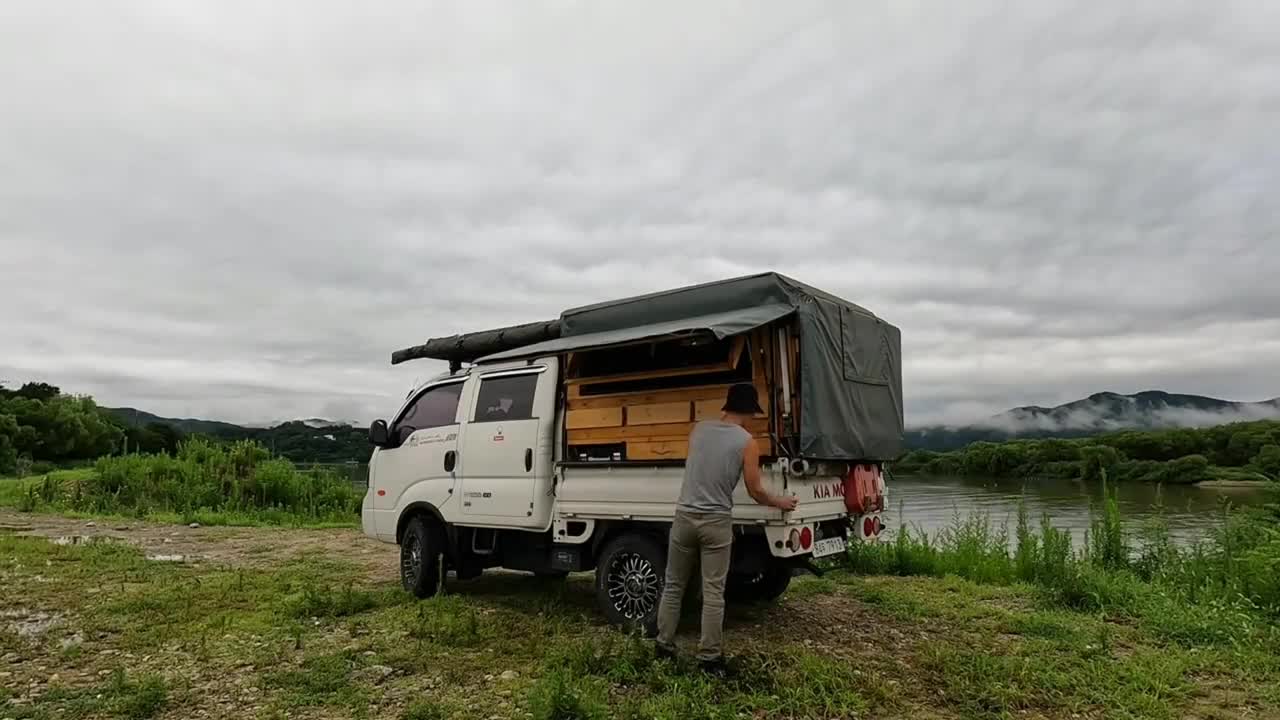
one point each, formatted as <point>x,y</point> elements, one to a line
<point>378,433</point>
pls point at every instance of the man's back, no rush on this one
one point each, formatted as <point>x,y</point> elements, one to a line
<point>714,467</point>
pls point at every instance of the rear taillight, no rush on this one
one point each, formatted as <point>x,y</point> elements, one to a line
<point>793,540</point>
<point>806,539</point>
<point>868,527</point>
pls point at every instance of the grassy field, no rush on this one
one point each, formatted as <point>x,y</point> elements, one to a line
<point>114,608</point>
<point>204,482</point>
<point>26,494</point>
<point>96,630</point>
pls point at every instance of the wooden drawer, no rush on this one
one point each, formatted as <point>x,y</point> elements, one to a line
<point>667,450</point>
<point>665,431</point>
<point>596,418</point>
<point>658,414</point>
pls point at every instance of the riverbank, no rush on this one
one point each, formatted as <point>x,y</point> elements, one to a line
<point>257,622</point>
<point>1234,484</point>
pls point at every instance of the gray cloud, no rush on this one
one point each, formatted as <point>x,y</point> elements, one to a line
<point>238,210</point>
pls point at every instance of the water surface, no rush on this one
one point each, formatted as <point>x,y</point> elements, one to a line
<point>931,503</point>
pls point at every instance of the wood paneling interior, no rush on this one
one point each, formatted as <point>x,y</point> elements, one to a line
<point>654,424</point>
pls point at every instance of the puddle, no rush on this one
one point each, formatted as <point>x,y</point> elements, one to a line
<point>28,623</point>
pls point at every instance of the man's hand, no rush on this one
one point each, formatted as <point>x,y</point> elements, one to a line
<point>755,488</point>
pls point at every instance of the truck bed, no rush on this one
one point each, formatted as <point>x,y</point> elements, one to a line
<point>636,491</point>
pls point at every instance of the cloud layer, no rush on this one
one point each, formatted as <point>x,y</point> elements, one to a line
<point>237,210</point>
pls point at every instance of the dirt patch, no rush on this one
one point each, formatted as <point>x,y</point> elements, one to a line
<point>29,624</point>
<point>236,546</point>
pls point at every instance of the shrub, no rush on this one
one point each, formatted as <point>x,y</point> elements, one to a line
<point>204,476</point>
<point>1107,545</point>
<point>1267,461</point>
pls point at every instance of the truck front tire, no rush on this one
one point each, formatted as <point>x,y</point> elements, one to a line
<point>629,580</point>
<point>421,547</point>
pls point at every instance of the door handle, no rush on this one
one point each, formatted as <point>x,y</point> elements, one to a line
<point>528,459</point>
<point>450,461</point>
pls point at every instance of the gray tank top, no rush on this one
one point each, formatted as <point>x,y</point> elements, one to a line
<point>713,468</point>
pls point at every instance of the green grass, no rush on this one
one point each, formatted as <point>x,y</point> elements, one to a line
<point>30,492</point>
<point>426,710</point>
<point>1001,651</point>
<point>206,483</point>
<point>120,697</point>
<point>313,637</point>
<point>1223,590</point>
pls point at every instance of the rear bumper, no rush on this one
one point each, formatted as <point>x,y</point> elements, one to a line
<point>786,540</point>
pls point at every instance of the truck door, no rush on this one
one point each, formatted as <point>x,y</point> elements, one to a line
<point>507,443</point>
<point>423,449</point>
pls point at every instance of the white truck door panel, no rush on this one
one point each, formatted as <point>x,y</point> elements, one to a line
<point>506,446</point>
<point>425,451</point>
<point>497,481</point>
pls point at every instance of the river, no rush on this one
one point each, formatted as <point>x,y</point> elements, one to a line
<point>931,503</point>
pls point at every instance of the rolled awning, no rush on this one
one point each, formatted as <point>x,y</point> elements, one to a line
<point>468,347</point>
<point>721,324</point>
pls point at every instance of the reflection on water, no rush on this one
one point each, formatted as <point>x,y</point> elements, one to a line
<point>931,503</point>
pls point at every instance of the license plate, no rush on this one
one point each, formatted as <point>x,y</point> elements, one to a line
<point>830,546</point>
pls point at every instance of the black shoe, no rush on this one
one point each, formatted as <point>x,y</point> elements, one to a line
<point>715,668</point>
<point>662,652</point>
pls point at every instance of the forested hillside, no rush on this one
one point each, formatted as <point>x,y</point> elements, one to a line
<point>40,427</point>
<point>1236,451</point>
<point>40,424</point>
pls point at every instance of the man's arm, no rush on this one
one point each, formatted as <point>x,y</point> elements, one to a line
<point>755,488</point>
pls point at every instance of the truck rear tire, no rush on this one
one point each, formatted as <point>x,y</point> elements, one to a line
<point>421,546</point>
<point>629,579</point>
<point>761,587</point>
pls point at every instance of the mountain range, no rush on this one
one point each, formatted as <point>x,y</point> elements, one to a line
<point>132,417</point>
<point>307,440</point>
<point>1098,413</point>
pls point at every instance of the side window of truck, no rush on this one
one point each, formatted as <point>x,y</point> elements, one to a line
<point>436,407</point>
<point>507,397</point>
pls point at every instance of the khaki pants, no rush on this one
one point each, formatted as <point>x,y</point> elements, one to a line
<point>697,537</point>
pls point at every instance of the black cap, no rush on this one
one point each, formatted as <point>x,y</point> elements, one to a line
<point>743,400</point>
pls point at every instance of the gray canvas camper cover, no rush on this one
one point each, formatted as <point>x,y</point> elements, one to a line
<point>850,360</point>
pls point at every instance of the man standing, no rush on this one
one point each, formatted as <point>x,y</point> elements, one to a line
<point>720,452</point>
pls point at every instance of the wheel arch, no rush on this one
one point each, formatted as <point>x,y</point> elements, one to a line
<point>426,509</point>
<point>609,530</point>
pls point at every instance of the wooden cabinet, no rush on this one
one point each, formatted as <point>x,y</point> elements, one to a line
<point>621,408</point>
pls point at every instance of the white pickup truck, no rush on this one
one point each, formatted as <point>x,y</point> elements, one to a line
<point>559,447</point>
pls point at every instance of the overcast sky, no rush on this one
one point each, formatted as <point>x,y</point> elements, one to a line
<point>237,210</point>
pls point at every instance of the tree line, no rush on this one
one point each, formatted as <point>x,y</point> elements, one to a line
<point>41,428</point>
<point>1246,450</point>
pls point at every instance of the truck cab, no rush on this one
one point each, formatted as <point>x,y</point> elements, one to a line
<point>476,447</point>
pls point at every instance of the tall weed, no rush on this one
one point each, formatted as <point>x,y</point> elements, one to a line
<point>206,476</point>
<point>1225,590</point>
